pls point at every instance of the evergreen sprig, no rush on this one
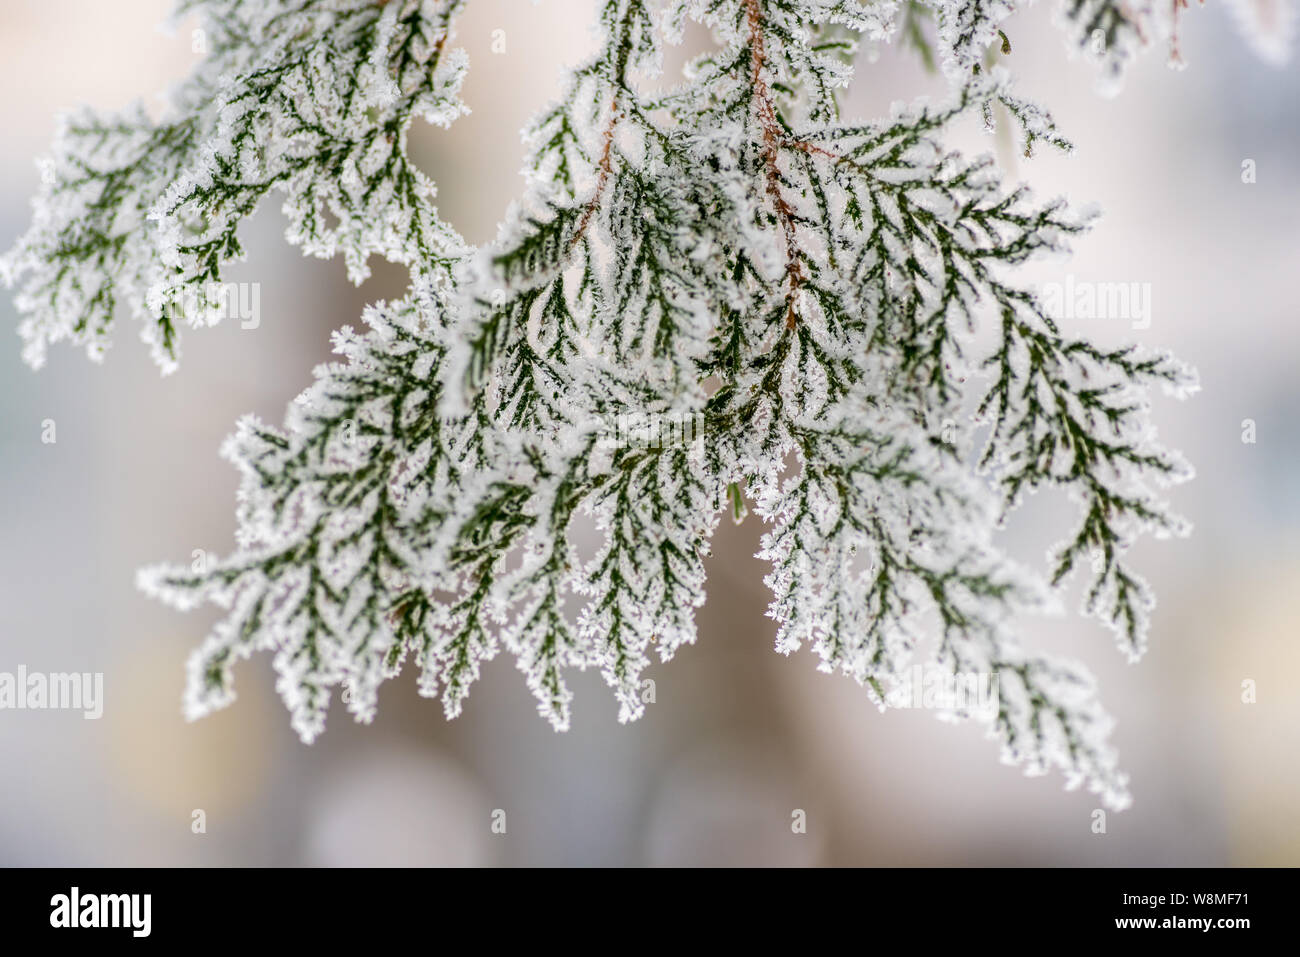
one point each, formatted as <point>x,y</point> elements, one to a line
<point>714,296</point>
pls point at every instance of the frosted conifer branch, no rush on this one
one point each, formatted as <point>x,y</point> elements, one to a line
<point>310,99</point>
<point>711,297</point>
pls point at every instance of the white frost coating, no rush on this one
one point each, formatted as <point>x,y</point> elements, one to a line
<point>310,99</point>
<point>718,298</point>
<point>967,30</point>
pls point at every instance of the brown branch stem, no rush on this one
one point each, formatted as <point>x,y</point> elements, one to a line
<point>773,139</point>
<point>606,168</point>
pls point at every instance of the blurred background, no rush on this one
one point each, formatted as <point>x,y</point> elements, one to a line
<point>739,737</point>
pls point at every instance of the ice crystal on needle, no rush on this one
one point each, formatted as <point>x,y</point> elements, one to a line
<point>712,293</point>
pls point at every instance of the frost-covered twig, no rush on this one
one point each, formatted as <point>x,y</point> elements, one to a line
<point>716,291</point>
